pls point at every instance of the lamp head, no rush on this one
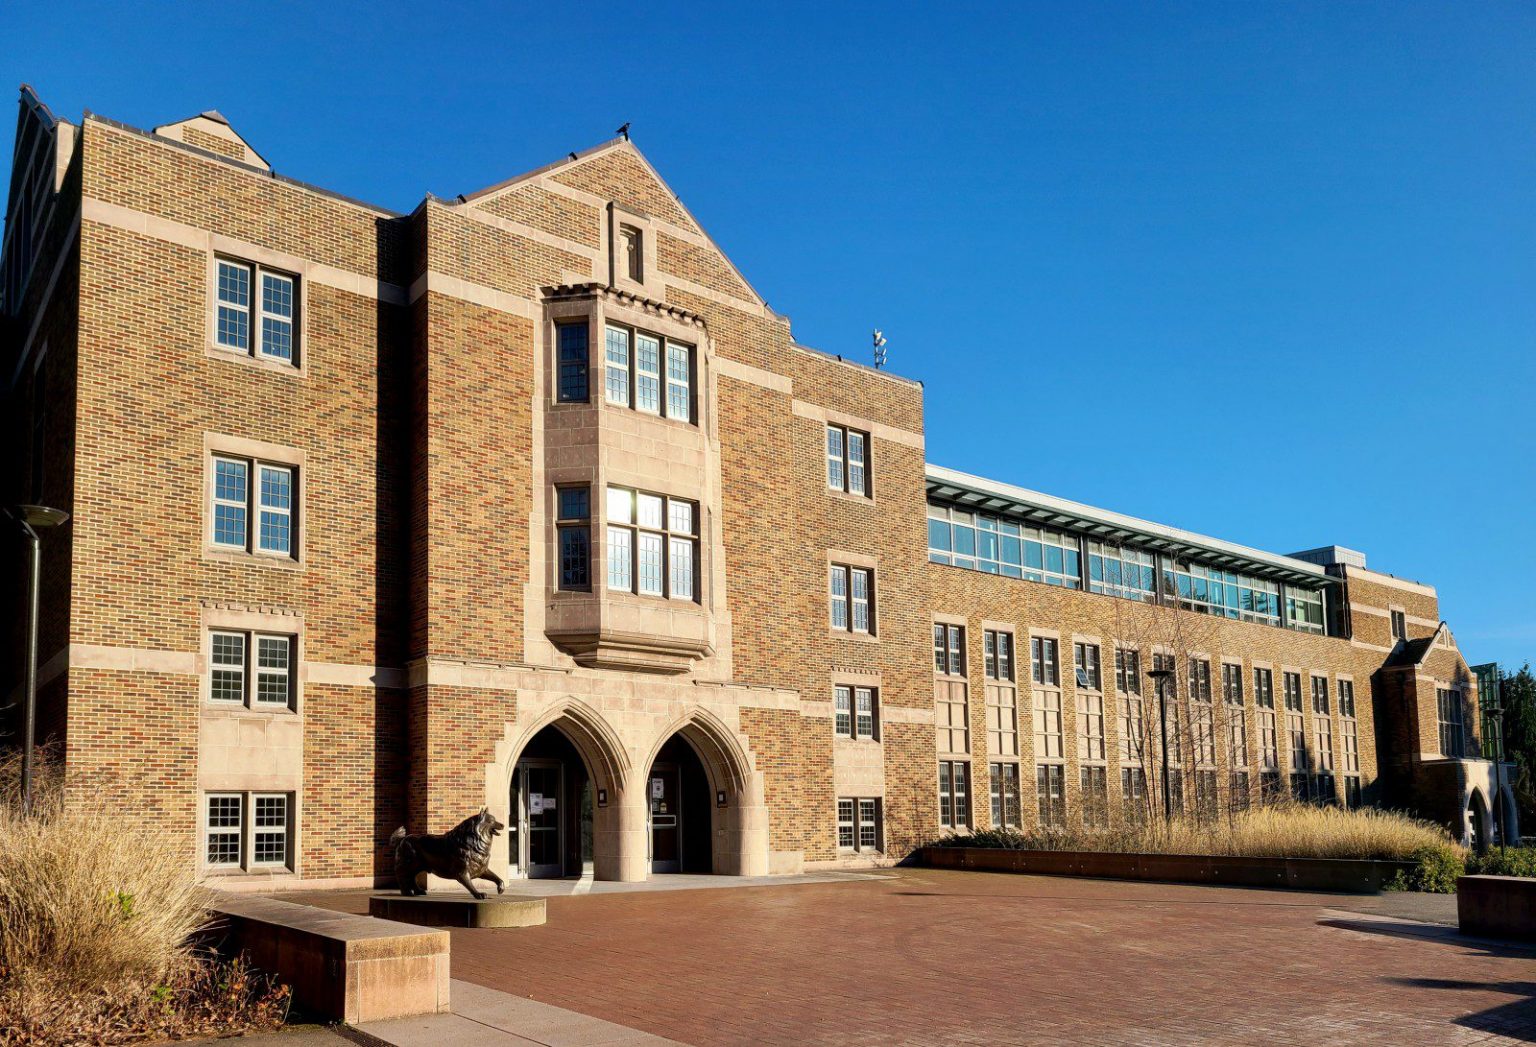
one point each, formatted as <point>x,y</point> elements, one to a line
<point>42,515</point>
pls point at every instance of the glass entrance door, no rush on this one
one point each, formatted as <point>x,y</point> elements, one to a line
<point>665,793</point>
<point>539,799</point>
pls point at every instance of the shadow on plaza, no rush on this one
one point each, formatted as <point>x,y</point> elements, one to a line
<point>1515,1019</point>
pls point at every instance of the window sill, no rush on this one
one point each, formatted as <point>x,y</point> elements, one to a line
<point>282,563</point>
<point>233,709</point>
<point>848,634</point>
<point>261,363</point>
<point>847,496</point>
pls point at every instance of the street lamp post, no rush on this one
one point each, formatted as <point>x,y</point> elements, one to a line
<point>31,517</point>
<point>1161,676</point>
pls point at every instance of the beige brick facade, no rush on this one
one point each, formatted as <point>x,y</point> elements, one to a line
<point>434,645</point>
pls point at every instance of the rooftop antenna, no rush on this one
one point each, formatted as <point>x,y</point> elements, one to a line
<point>881,353</point>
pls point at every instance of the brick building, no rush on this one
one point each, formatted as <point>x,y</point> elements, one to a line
<point>527,499</point>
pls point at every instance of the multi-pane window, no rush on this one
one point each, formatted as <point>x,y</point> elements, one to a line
<point>1296,730</point>
<point>954,794</point>
<point>1448,705</point>
<point>853,711</point>
<point>234,679</point>
<point>256,310</point>
<point>950,691</point>
<point>1232,683</point>
<point>858,824</point>
<point>653,544</point>
<point>1042,661</point>
<point>1399,625</point>
<point>1122,571</point>
<point>949,649</point>
<point>1127,671</point>
<point>1211,590</point>
<point>1202,713</point>
<point>1352,791</point>
<point>574,531</point>
<point>1133,793</point>
<point>1090,725</point>
<point>1085,659</point>
<point>1133,727</point>
<point>238,483</point>
<point>988,543</point>
<point>247,831</point>
<point>1050,788</point>
<point>1207,800</point>
<point>1095,797</point>
<point>1349,733</point>
<point>633,362</point>
<point>1264,688</point>
<point>1239,791</point>
<point>847,460</point>
<point>572,362</point>
<point>1005,795</point>
<point>852,593</point>
<point>1322,724</point>
<point>1304,609</point>
<point>1002,695</point>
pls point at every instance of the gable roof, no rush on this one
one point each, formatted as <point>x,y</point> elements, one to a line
<point>657,200</point>
<point>1411,653</point>
<point>219,137</point>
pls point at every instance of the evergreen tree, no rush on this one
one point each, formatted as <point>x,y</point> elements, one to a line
<point>1518,694</point>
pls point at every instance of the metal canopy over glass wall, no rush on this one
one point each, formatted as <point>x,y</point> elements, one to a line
<point>982,532</point>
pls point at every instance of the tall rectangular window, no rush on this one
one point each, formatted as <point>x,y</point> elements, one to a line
<point>1399,625</point>
<point>616,366</point>
<point>1232,683</point>
<point>1002,695</point>
<point>851,591</point>
<point>954,794</point>
<point>1095,798</point>
<point>1005,795</point>
<point>574,531</point>
<point>647,373</point>
<point>1349,733</point>
<point>653,544</point>
<point>1133,794</point>
<point>842,711</point>
<point>1050,789</point>
<point>1127,671</point>
<point>679,382</point>
<point>274,498</point>
<point>1085,659</point>
<point>950,689</point>
<point>1322,723</point>
<point>847,460</point>
<point>572,363</point>
<point>1296,731</point>
<point>1448,710</point>
<point>257,324</point>
<point>224,825</point>
<point>1042,661</point>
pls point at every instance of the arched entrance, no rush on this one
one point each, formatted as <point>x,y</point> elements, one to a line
<point>1477,823</point>
<point>549,832</point>
<point>680,810</point>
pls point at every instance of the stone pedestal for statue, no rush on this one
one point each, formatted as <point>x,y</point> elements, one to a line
<point>456,910</point>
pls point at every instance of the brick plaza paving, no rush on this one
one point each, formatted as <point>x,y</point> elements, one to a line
<point>937,957</point>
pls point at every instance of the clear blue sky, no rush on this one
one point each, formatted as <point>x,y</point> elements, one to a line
<point>1265,271</point>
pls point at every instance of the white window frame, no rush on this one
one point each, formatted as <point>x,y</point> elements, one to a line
<point>863,816</point>
<point>251,671</point>
<point>210,830</point>
<point>955,794</point>
<point>622,372</point>
<point>256,312</point>
<point>254,506</point>
<point>625,534</point>
<point>845,603</point>
<point>248,832</point>
<point>841,460</point>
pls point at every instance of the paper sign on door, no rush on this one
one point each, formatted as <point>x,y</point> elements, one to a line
<point>535,803</point>
<point>657,791</point>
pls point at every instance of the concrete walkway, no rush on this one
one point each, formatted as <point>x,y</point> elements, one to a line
<point>487,1018</point>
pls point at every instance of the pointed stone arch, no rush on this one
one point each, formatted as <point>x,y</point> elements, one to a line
<point>726,760</point>
<point>607,759</point>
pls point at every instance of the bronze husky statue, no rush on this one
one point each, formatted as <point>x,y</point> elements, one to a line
<point>459,854</point>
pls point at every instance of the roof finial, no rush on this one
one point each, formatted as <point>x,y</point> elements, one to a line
<point>623,132</point>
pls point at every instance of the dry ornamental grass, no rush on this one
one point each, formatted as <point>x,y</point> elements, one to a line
<point>96,931</point>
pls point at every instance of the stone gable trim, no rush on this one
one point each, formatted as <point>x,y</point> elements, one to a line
<point>116,216</point>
